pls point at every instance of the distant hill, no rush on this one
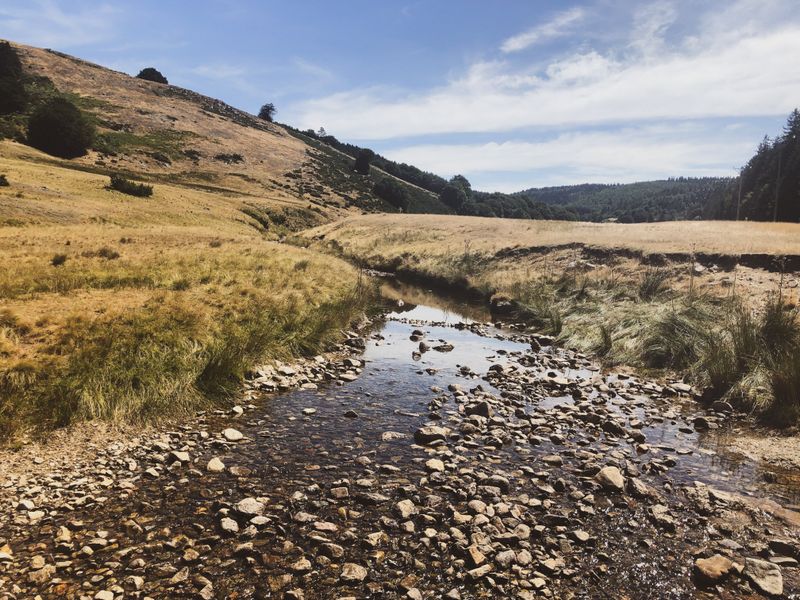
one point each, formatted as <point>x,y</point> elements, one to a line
<point>678,199</point>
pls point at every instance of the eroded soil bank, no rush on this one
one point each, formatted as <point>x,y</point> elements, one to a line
<point>444,458</point>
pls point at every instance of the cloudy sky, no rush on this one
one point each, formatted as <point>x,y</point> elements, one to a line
<point>512,94</point>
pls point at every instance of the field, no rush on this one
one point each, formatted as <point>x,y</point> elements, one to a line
<point>127,308</point>
<point>668,296</point>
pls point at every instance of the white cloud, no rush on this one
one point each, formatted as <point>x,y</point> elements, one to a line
<point>625,155</point>
<point>751,75</point>
<point>55,24</point>
<point>557,27</point>
<point>650,26</point>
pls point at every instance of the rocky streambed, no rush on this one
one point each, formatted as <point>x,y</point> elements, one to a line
<point>435,457</point>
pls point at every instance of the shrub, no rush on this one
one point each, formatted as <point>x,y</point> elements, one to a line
<point>652,283</point>
<point>120,184</point>
<point>10,65</point>
<point>58,260</point>
<point>215,243</point>
<point>230,159</point>
<point>59,128</point>
<point>3,181</point>
<point>107,253</point>
<point>151,74</point>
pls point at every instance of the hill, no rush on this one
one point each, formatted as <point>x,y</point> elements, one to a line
<point>165,133</point>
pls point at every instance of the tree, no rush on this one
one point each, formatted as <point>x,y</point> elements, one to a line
<point>151,74</point>
<point>453,196</point>
<point>363,160</point>
<point>13,97</point>
<point>392,192</point>
<point>59,128</point>
<point>321,132</point>
<point>463,183</point>
<point>267,112</point>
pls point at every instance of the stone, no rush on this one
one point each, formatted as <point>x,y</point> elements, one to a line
<point>215,465</point>
<point>428,435</point>
<point>435,465</point>
<point>406,509</point>
<point>765,576</point>
<point>710,571</point>
<point>232,435</point>
<point>250,507</point>
<point>228,525</point>
<point>352,572</point>
<point>611,479</point>
<point>104,595</point>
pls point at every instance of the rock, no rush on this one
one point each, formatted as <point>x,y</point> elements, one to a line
<point>428,435</point>
<point>765,576</point>
<point>352,572</point>
<point>228,525</point>
<point>104,595</point>
<point>232,435</point>
<point>710,571</point>
<point>406,509</point>
<point>42,576</point>
<point>181,457</point>
<point>215,465</point>
<point>661,517</point>
<point>611,479</point>
<point>250,507</point>
<point>301,566</point>
<point>435,465</point>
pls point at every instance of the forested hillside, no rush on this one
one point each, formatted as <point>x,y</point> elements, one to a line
<point>770,181</point>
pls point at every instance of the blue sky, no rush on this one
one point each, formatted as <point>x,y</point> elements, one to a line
<point>512,94</point>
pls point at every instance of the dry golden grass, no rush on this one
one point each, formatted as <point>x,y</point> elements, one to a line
<point>160,305</point>
<point>445,234</point>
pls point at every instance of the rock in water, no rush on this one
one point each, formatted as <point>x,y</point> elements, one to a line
<point>428,435</point>
<point>611,479</point>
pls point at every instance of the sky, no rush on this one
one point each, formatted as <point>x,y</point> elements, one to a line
<point>510,93</point>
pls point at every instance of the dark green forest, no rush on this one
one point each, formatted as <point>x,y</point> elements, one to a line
<point>768,186</point>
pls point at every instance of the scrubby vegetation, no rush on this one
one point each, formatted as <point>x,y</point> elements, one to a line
<point>152,74</point>
<point>120,184</point>
<point>392,192</point>
<point>4,181</point>
<point>59,128</point>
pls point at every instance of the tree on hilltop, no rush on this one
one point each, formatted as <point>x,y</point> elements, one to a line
<point>151,74</point>
<point>267,112</point>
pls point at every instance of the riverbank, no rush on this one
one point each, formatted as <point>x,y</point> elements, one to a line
<point>732,330</point>
<point>449,460</point>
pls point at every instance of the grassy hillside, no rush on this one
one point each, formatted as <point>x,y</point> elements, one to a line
<point>166,133</point>
<point>126,308</point>
<point>646,295</point>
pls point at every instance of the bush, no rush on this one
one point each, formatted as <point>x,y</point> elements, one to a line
<point>10,66</point>
<point>59,128</point>
<point>3,181</point>
<point>653,283</point>
<point>58,260</point>
<point>120,184</point>
<point>151,74</point>
<point>230,159</point>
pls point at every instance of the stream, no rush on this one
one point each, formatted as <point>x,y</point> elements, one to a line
<point>342,503</point>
